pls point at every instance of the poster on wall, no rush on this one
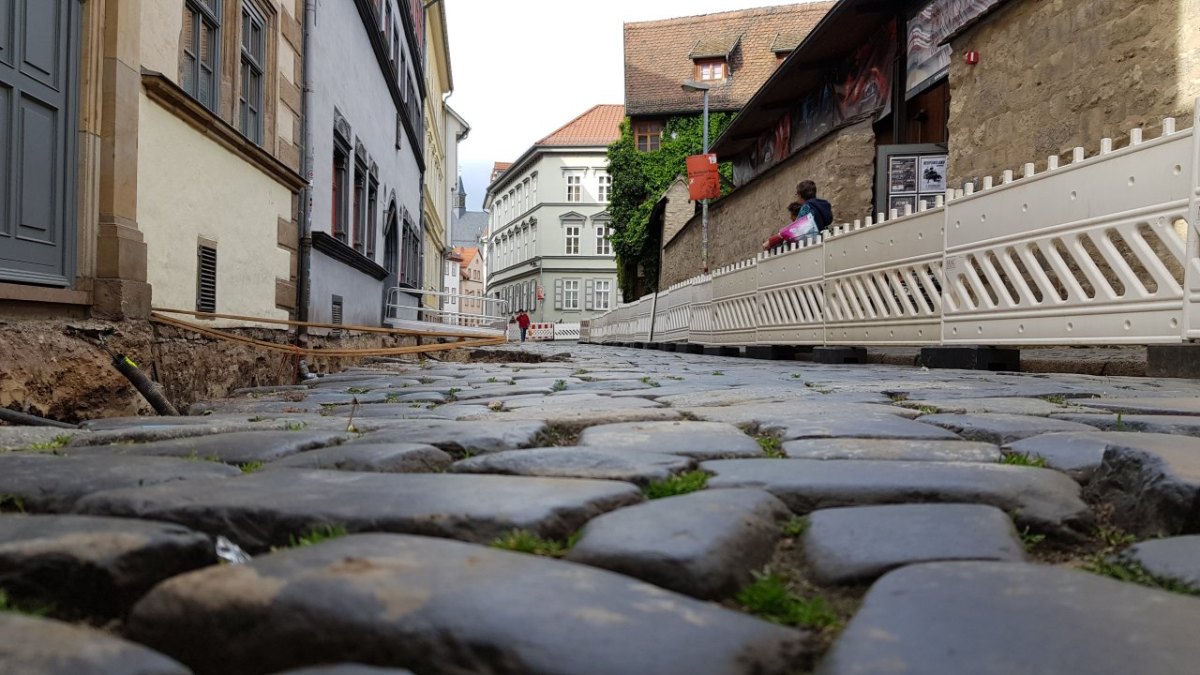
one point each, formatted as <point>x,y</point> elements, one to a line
<point>933,173</point>
<point>926,60</point>
<point>902,174</point>
<point>899,202</point>
<point>864,82</point>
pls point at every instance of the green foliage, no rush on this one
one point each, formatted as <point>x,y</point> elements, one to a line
<point>770,598</point>
<point>640,178</point>
<point>647,380</point>
<point>1120,422</point>
<point>927,410</point>
<point>1131,572</point>
<point>1022,459</point>
<point>11,504</point>
<point>681,484</point>
<point>795,526</point>
<point>524,541</point>
<point>559,385</point>
<point>251,467</point>
<point>1057,399</point>
<point>296,426</point>
<point>718,372</point>
<point>452,394</point>
<point>317,535</point>
<point>7,604</point>
<point>1114,537</point>
<point>52,444</point>
<point>1030,540</point>
<point>492,380</point>
<point>772,446</point>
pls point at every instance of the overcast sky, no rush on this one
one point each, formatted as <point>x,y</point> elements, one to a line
<point>523,68</point>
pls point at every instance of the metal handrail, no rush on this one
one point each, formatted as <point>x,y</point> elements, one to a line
<point>494,309</point>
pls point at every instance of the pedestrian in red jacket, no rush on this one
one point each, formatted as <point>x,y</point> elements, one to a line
<point>523,323</point>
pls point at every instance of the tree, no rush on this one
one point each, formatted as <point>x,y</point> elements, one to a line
<point>639,180</point>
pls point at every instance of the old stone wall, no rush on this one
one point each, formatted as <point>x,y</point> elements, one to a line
<point>842,165</point>
<point>1056,74</point>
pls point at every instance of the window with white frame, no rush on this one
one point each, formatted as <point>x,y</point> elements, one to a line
<point>571,236</point>
<point>533,187</point>
<point>603,293</point>
<point>570,294</point>
<point>605,189</point>
<point>603,245</point>
<point>574,187</point>
<point>527,195</point>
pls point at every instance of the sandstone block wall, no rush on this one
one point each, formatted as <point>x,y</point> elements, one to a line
<point>1056,74</point>
<point>842,165</point>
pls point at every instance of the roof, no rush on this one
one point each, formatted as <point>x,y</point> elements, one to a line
<point>843,29</point>
<point>597,127</point>
<point>467,253</point>
<point>659,54</point>
<point>499,168</point>
<point>600,125</point>
<point>467,227</point>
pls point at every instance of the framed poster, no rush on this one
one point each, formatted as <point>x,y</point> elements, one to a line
<point>902,174</point>
<point>930,201</point>
<point>933,173</point>
<point>899,202</point>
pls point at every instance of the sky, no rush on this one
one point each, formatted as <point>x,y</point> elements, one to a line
<point>523,68</point>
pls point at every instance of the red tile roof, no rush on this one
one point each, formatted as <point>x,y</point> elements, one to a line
<point>467,253</point>
<point>600,125</point>
<point>499,168</point>
<point>658,55</point>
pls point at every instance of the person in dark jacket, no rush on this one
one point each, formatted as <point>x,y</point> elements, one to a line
<point>806,194</point>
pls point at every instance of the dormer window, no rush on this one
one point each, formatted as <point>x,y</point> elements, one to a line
<point>708,70</point>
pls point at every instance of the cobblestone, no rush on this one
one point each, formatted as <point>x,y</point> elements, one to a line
<point>372,504</point>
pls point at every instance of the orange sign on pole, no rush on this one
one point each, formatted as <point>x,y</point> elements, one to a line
<point>704,182</point>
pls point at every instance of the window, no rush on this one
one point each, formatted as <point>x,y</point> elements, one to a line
<point>372,213</point>
<point>340,187</point>
<point>570,294</point>
<point>603,294</point>
<point>206,279</point>
<point>572,239</point>
<point>533,186</point>
<point>648,135</point>
<point>526,191</point>
<point>574,187</point>
<point>201,47</point>
<point>605,189</point>
<point>360,202</point>
<point>410,255</point>
<point>250,102</point>
<point>711,69</point>
<point>603,245</point>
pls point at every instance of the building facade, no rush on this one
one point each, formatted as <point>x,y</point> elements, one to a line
<point>442,128</point>
<point>548,244</point>
<point>472,286</point>
<point>877,96</point>
<point>366,127</point>
<point>149,147</point>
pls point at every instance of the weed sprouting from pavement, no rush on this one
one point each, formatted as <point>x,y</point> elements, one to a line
<point>897,396</point>
<point>1131,571</point>
<point>52,444</point>
<point>452,394</point>
<point>392,398</point>
<point>8,605</point>
<point>1120,422</point>
<point>1113,537</point>
<point>559,385</point>
<point>795,527</point>
<point>769,597</point>
<point>1031,540</point>
<point>296,426</point>
<point>927,410</point>
<point>647,380</point>
<point>317,535</point>
<point>492,380</point>
<point>1057,399</point>
<point>524,541</point>
<point>681,484</point>
<point>1022,459</point>
<point>771,446</point>
<point>251,467</point>
<point>11,504</point>
<point>718,372</point>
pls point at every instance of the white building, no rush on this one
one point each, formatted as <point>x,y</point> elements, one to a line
<point>548,248</point>
<point>367,134</point>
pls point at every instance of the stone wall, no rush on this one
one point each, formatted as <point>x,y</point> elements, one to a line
<point>842,165</point>
<point>1056,74</point>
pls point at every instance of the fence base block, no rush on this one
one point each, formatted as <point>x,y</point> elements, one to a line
<point>691,348</point>
<point>771,352</point>
<point>652,345</point>
<point>722,351</point>
<point>1173,360</point>
<point>972,358</point>
<point>667,346</point>
<point>839,355</point>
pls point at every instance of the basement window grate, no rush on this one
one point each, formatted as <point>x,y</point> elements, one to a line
<point>206,280</point>
<point>337,316</point>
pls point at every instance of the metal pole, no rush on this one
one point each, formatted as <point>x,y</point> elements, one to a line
<point>704,203</point>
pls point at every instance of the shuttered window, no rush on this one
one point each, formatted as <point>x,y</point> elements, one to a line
<point>206,280</point>
<point>337,315</point>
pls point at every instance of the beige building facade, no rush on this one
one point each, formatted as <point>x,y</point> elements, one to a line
<point>179,158</point>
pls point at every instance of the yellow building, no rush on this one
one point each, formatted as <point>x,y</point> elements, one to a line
<point>439,174</point>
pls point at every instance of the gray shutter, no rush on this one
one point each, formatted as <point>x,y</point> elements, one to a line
<point>206,279</point>
<point>558,294</point>
<point>587,294</point>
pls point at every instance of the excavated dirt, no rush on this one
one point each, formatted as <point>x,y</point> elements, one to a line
<point>57,369</point>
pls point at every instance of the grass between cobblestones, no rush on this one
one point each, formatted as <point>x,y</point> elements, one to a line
<point>524,541</point>
<point>771,445</point>
<point>9,605</point>
<point>1022,459</point>
<point>681,484</point>
<point>317,535</point>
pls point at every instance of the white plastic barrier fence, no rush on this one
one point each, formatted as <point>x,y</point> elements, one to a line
<point>1097,250</point>
<point>566,331</point>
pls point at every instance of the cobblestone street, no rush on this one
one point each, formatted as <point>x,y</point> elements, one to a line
<point>614,511</point>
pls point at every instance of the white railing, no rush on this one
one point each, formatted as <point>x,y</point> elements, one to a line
<point>1098,250</point>
<point>407,305</point>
